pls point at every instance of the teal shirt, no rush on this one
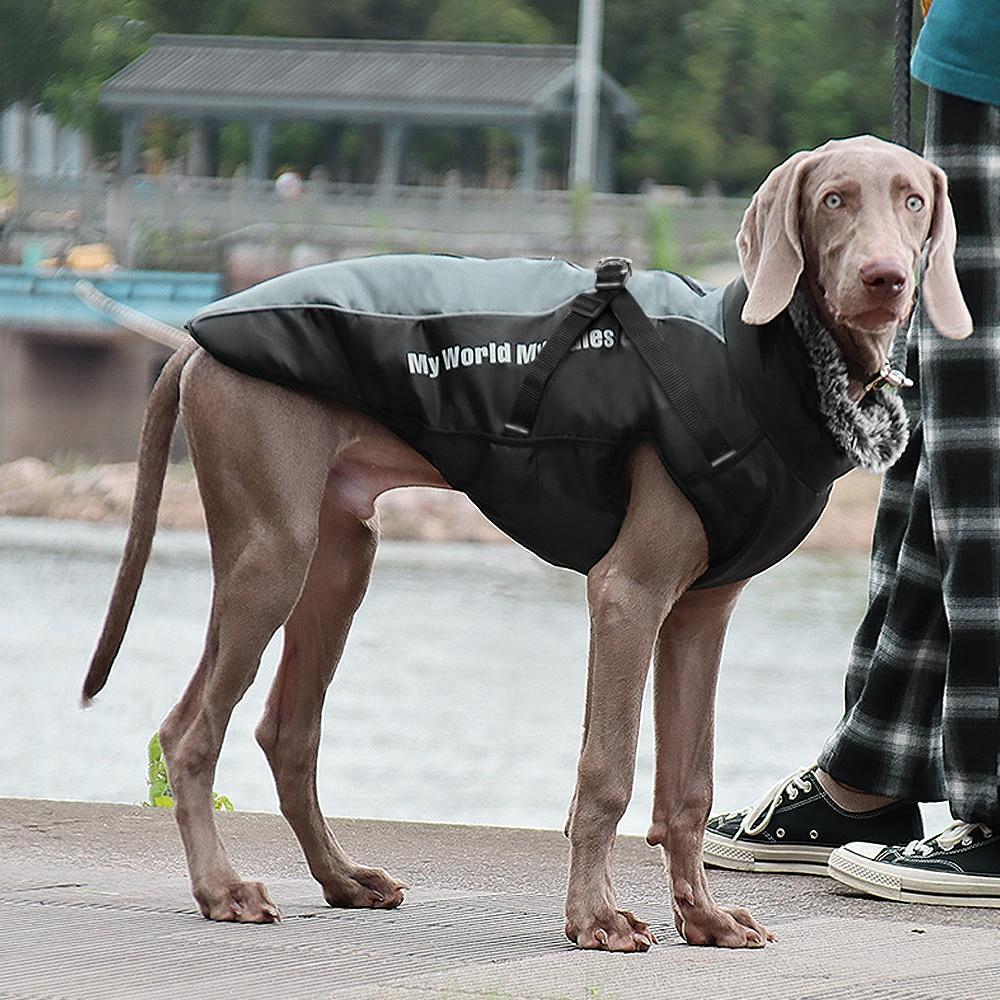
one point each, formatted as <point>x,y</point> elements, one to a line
<point>959,49</point>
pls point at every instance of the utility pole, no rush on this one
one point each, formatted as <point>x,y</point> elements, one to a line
<point>587,104</point>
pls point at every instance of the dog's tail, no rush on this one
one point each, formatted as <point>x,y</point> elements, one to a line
<point>154,453</point>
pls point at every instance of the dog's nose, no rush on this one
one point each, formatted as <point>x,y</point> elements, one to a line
<point>883,277</point>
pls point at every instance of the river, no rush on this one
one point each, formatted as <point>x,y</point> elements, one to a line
<point>459,698</point>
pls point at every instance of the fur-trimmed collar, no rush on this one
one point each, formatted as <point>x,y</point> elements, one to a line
<point>872,431</point>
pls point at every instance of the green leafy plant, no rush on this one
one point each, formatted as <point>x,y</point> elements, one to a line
<point>662,240</point>
<point>160,794</point>
<point>579,209</point>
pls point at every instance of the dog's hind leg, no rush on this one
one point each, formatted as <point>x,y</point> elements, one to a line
<point>248,606</point>
<point>289,731</point>
<point>261,459</point>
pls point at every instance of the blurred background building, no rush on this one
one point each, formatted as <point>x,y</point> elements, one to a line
<point>388,92</point>
<point>231,140</point>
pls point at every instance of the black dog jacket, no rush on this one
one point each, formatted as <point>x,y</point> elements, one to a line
<point>526,384</point>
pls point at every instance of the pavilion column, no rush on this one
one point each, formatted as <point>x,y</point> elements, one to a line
<point>393,137</point>
<point>260,150</point>
<point>131,128</point>
<point>527,178</point>
<point>198,150</point>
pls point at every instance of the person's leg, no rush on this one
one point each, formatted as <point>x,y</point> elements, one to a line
<point>960,865</point>
<point>962,427</point>
<point>907,705</point>
<point>923,689</point>
<point>942,679</point>
<point>888,742</point>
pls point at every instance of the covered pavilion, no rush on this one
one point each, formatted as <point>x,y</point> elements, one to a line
<point>399,86</point>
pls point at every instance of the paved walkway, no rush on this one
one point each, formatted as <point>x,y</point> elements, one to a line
<point>94,904</point>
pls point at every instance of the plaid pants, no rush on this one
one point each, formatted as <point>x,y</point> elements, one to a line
<point>923,685</point>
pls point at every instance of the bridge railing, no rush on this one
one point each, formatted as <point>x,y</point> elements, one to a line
<point>472,220</point>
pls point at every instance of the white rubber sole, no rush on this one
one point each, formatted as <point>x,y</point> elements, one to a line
<point>744,856</point>
<point>912,885</point>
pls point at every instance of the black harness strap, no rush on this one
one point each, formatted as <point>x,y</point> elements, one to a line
<point>612,273</point>
<point>584,308</point>
<point>653,349</point>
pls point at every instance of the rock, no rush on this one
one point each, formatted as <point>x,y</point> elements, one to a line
<point>24,473</point>
<point>849,519</point>
<point>32,488</point>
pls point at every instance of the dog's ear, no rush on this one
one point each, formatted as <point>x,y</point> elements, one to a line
<point>769,241</point>
<point>940,290</point>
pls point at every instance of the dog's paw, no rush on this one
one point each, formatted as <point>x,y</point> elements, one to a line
<point>239,902</point>
<point>362,888</point>
<point>721,926</point>
<point>611,930</point>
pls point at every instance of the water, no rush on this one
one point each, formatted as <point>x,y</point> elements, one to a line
<point>459,699</point>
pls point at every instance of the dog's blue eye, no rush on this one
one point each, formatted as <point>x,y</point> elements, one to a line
<point>914,203</point>
<point>833,200</point>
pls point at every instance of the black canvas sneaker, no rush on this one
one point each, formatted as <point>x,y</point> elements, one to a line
<point>796,825</point>
<point>958,867</point>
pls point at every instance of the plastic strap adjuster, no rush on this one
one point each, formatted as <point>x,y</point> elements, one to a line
<point>613,272</point>
<point>589,305</point>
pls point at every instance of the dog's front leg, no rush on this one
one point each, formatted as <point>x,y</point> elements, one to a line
<point>660,549</point>
<point>687,657</point>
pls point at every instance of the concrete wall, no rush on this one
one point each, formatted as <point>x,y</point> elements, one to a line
<point>73,397</point>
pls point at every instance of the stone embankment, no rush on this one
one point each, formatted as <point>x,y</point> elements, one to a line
<point>30,487</point>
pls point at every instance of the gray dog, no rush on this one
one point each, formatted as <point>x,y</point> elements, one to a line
<point>289,483</point>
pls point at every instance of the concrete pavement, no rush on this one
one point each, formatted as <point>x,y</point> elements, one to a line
<point>94,903</point>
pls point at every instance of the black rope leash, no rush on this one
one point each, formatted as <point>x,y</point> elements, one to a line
<point>902,41</point>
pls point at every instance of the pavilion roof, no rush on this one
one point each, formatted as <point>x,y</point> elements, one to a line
<point>326,78</point>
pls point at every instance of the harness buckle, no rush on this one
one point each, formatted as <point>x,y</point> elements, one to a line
<point>613,272</point>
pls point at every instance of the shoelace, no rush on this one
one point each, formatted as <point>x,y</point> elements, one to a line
<point>958,832</point>
<point>757,818</point>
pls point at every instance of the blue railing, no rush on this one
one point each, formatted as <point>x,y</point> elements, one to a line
<point>33,296</point>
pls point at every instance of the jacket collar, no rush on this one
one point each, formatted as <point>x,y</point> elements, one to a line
<point>872,430</point>
<point>774,372</point>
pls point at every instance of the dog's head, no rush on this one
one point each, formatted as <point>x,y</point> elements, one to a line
<point>853,217</point>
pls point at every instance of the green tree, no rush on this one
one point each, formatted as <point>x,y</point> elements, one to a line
<point>106,35</point>
<point>727,87</point>
<point>509,21</point>
<point>730,87</point>
<point>31,46</point>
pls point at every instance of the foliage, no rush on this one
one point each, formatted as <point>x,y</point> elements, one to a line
<point>298,145</point>
<point>31,47</point>
<point>726,88</point>
<point>180,247</point>
<point>234,147</point>
<point>508,21</point>
<point>97,38</point>
<point>579,209</point>
<point>662,242</point>
<point>160,794</point>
